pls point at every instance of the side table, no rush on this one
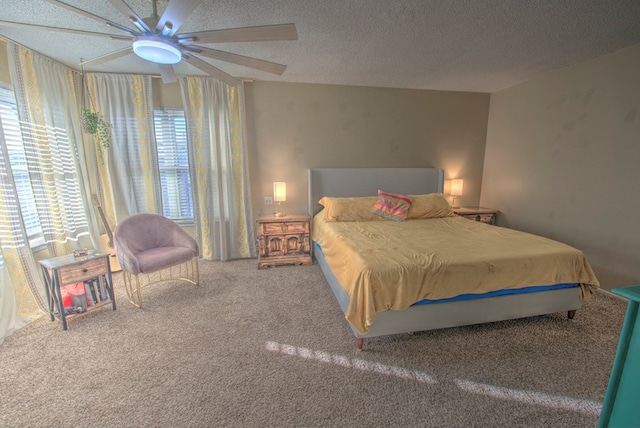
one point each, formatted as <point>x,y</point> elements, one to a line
<point>283,240</point>
<point>483,215</point>
<point>60,271</point>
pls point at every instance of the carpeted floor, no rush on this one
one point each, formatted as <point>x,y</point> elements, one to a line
<point>270,348</point>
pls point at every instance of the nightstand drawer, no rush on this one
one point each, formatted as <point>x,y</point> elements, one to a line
<point>486,218</point>
<point>80,272</point>
<point>284,227</point>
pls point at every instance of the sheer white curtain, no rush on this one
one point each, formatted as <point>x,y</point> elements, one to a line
<point>52,140</point>
<point>9,321</point>
<point>52,151</point>
<point>19,295</point>
<point>128,176</point>
<point>219,180</point>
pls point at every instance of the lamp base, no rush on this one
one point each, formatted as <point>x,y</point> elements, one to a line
<point>455,207</point>
<point>280,214</point>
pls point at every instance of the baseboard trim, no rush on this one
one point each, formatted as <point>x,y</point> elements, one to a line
<point>609,293</point>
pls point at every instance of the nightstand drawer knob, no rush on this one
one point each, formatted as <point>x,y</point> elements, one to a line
<point>85,270</point>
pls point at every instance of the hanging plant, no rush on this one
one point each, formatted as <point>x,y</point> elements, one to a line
<point>93,122</point>
<point>96,125</point>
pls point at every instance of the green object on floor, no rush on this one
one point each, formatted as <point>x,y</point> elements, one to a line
<point>621,407</point>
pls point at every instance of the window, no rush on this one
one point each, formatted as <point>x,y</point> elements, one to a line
<point>18,161</point>
<point>173,162</point>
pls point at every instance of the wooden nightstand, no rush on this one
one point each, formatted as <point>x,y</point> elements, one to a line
<point>484,215</point>
<point>93,270</point>
<point>283,240</point>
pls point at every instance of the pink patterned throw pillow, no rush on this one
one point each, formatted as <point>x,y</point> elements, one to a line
<point>393,207</point>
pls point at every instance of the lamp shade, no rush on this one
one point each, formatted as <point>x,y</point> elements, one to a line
<point>279,191</point>
<point>456,187</point>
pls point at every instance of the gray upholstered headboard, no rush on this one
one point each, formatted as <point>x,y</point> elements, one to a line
<point>342,182</point>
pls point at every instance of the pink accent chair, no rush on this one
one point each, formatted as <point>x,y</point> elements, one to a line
<point>157,249</point>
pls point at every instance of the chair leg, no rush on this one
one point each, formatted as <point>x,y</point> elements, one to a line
<point>188,271</point>
<point>133,293</point>
<point>194,276</point>
<point>190,274</point>
<point>197,271</point>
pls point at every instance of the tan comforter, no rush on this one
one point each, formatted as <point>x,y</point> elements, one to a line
<point>391,265</point>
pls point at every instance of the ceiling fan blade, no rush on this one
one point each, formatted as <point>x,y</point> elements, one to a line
<point>258,64</point>
<point>264,33</point>
<point>63,30</point>
<point>211,70</point>
<point>92,16</point>
<point>175,14</point>
<point>131,15</point>
<point>108,57</point>
<point>167,73</point>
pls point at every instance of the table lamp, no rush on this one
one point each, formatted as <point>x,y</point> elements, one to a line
<point>279,195</point>
<point>456,190</point>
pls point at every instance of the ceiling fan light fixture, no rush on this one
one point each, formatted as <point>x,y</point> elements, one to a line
<point>158,51</point>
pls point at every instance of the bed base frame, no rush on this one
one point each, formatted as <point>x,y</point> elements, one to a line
<point>457,313</point>
<point>342,182</point>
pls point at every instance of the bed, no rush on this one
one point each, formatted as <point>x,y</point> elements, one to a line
<point>412,303</point>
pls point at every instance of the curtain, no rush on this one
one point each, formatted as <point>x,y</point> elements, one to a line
<point>20,297</point>
<point>127,171</point>
<point>52,143</point>
<point>218,163</point>
<point>45,96</point>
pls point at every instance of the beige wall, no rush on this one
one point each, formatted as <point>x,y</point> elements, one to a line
<point>563,160</point>
<point>293,127</point>
<point>5,75</point>
<point>166,95</point>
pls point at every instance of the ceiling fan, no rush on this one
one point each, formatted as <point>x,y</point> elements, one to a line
<point>156,39</point>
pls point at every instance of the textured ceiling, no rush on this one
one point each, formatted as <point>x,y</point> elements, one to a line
<point>461,45</point>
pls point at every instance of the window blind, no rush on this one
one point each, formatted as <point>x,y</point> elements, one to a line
<point>18,163</point>
<point>173,164</point>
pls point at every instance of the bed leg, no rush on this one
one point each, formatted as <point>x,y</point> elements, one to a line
<point>359,343</point>
<point>571,314</point>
